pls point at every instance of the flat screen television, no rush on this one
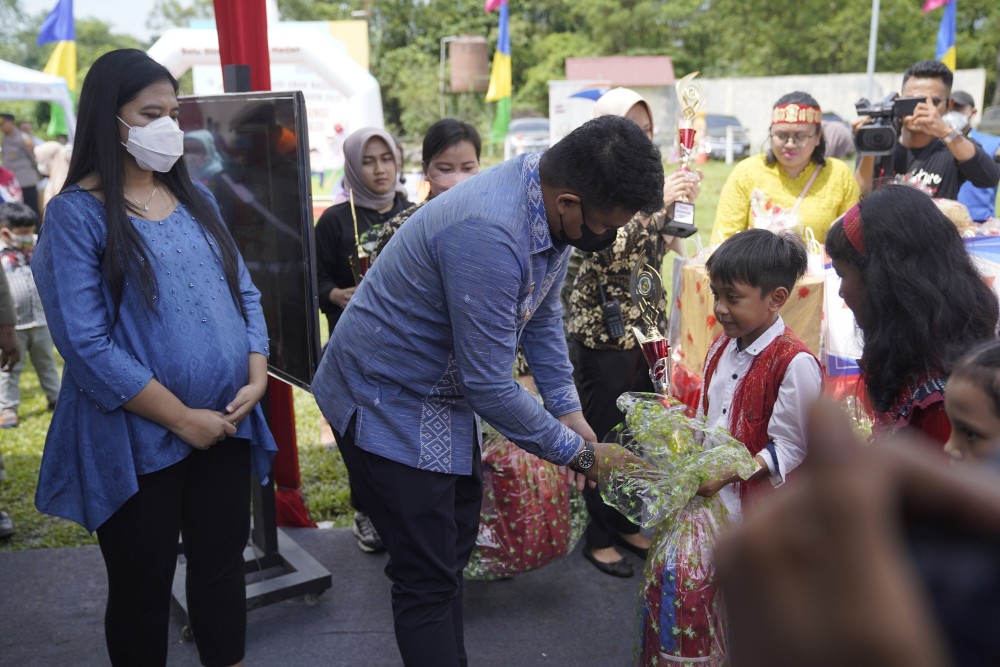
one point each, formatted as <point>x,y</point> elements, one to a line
<point>252,151</point>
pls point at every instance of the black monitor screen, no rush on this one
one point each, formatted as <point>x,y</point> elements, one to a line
<point>252,151</point>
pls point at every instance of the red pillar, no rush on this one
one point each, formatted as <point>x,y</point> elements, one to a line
<point>242,28</point>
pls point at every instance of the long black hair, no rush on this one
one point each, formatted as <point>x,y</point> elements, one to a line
<point>799,97</point>
<point>925,304</point>
<point>115,79</point>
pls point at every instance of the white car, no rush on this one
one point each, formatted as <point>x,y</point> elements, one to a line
<point>526,135</point>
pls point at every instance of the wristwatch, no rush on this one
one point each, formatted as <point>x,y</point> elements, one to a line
<point>951,136</point>
<point>584,459</point>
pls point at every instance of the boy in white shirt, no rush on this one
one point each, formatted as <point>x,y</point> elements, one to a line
<point>759,378</point>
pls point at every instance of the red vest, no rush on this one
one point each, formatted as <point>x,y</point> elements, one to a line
<point>754,398</point>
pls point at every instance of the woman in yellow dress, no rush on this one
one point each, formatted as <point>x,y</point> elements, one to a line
<point>793,185</point>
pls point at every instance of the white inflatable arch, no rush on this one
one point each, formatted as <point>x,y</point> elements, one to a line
<point>182,48</point>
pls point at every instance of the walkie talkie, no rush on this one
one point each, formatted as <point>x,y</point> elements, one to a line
<point>612,311</point>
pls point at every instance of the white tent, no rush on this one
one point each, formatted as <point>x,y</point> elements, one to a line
<point>21,83</point>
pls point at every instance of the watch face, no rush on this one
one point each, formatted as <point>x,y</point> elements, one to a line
<point>585,460</point>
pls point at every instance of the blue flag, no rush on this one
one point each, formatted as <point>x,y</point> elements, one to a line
<point>58,26</point>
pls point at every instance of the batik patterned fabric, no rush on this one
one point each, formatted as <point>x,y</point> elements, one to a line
<point>612,270</point>
<point>679,618</point>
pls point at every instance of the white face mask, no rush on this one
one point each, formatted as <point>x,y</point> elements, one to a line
<point>444,182</point>
<point>157,146</point>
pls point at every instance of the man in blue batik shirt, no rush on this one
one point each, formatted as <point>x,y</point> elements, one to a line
<point>428,342</point>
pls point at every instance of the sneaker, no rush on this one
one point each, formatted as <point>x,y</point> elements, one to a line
<point>52,406</point>
<point>8,418</point>
<point>364,530</point>
<point>6,526</point>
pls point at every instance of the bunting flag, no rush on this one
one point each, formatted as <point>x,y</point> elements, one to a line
<point>500,77</point>
<point>60,28</point>
<point>946,36</point>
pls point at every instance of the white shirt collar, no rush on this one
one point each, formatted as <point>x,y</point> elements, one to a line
<point>763,340</point>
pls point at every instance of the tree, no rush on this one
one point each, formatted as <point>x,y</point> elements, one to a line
<point>175,13</point>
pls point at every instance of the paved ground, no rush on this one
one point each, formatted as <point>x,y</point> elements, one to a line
<point>567,614</point>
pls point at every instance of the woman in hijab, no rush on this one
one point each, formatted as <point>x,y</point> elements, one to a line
<point>201,156</point>
<point>609,362</point>
<point>371,170</point>
<point>371,167</point>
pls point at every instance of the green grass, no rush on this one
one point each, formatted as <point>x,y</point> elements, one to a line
<point>22,453</point>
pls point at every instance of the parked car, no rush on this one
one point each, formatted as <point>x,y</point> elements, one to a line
<point>526,135</point>
<point>715,141</point>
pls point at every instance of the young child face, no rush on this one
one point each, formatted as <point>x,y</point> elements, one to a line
<point>742,310</point>
<point>975,426</point>
<point>378,166</point>
<point>22,238</point>
<point>852,287</point>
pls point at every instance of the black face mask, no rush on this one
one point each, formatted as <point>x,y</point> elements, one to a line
<point>588,241</point>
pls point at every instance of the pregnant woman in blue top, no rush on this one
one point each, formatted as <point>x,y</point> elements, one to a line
<point>152,309</point>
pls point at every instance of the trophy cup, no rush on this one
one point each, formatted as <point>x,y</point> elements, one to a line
<point>359,258</point>
<point>689,98</point>
<point>646,289</point>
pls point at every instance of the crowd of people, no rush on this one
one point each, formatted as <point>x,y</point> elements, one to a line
<point>153,437</point>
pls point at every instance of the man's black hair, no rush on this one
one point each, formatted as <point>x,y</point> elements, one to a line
<point>610,162</point>
<point>7,116</point>
<point>930,69</point>
<point>15,214</point>
<point>759,258</point>
<point>444,134</point>
<point>800,97</point>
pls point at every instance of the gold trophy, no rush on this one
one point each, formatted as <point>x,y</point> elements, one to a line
<point>646,289</point>
<point>690,98</point>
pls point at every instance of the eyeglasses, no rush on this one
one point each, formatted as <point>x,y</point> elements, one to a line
<point>799,138</point>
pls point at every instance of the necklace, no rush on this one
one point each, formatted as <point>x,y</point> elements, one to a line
<point>135,202</point>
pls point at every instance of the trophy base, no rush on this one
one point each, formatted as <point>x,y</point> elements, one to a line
<point>681,221</point>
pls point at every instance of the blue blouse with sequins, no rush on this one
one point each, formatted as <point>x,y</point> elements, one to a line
<point>196,343</point>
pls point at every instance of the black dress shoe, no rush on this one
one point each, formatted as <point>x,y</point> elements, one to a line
<point>619,568</point>
<point>641,552</point>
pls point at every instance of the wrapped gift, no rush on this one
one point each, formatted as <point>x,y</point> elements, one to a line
<point>529,516</point>
<point>679,617</point>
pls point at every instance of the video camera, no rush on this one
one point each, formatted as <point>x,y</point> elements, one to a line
<point>879,136</point>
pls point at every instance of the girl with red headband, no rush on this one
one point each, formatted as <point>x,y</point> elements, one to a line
<point>918,299</point>
<point>793,185</point>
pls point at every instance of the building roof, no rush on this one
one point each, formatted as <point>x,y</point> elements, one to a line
<point>623,70</point>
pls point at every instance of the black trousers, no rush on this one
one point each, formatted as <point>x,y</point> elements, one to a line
<point>428,522</point>
<point>601,377</point>
<point>206,499</point>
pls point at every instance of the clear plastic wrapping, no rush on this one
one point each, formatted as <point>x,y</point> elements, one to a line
<point>679,617</point>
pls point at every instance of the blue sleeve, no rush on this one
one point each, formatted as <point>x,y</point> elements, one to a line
<point>76,306</point>
<point>544,343</point>
<point>481,274</point>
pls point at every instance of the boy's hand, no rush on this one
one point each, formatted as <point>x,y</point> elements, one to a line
<point>9,350</point>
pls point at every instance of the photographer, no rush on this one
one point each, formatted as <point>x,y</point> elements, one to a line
<point>930,153</point>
